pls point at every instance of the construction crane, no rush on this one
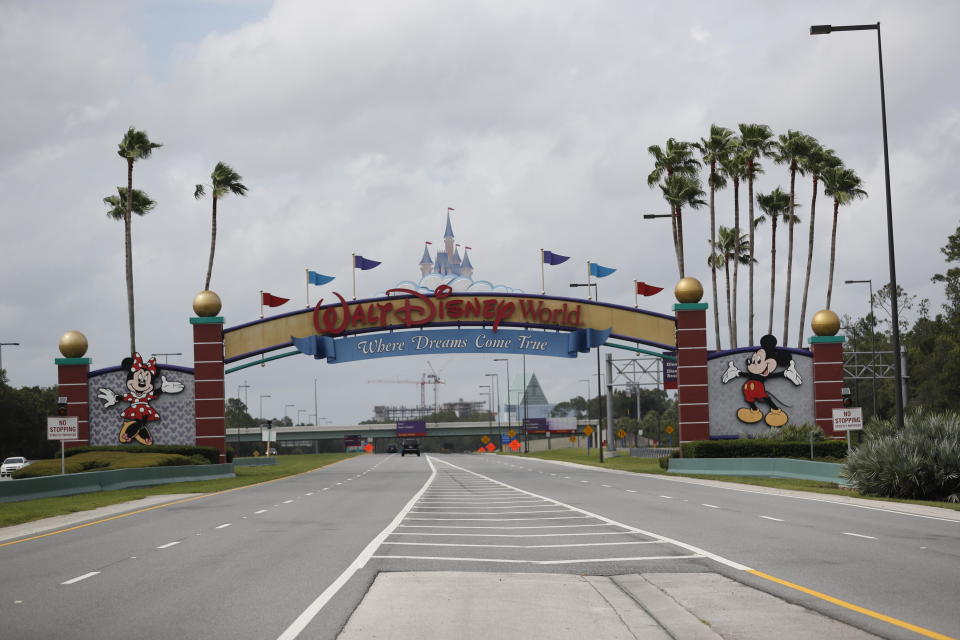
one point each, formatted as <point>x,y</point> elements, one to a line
<point>432,378</point>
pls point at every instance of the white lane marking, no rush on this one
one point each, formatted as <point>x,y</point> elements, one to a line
<point>683,545</point>
<point>169,544</point>
<point>339,483</point>
<point>519,535</point>
<point>502,519</point>
<point>310,493</point>
<point>79,578</point>
<point>325,489</point>
<point>858,535</point>
<point>667,497</point>
<point>712,506</point>
<point>546,526</point>
<point>585,481</point>
<point>630,491</point>
<point>223,526</point>
<point>526,546</point>
<point>772,518</point>
<point>256,513</point>
<point>541,561</point>
<point>298,625</point>
<point>605,485</point>
<point>485,513</point>
<point>287,501</point>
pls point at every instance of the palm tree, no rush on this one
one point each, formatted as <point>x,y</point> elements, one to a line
<point>791,149</point>
<point>223,180</point>
<point>814,163</point>
<point>681,191</point>
<point>844,186</point>
<point>757,141</point>
<point>719,146</point>
<point>675,158</point>
<point>733,168</point>
<point>775,204</point>
<point>728,248</point>
<point>134,146</point>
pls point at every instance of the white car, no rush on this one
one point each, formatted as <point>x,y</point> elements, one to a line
<point>12,464</point>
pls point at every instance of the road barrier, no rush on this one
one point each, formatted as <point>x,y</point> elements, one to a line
<point>89,481</point>
<point>256,461</point>
<point>760,467</point>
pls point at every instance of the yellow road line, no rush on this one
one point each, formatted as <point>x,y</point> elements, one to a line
<point>165,504</point>
<point>847,605</point>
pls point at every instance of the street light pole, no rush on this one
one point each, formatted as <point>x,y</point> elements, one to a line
<point>496,379</point>
<point>489,408</point>
<point>245,388</point>
<point>166,358</point>
<point>822,29</point>
<point>507,362</point>
<point>873,341</point>
<point>587,399</point>
<point>6,344</point>
<point>261,405</point>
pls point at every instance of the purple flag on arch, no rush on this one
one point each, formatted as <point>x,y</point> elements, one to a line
<point>359,262</point>
<point>549,257</point>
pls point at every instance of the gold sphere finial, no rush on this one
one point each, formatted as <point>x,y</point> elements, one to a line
<point>73,344</point>
<point>825,323</point>
<point>688,290</point>
<point>206,304</point>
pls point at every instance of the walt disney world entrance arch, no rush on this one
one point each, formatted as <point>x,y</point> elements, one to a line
<point>405,322</point>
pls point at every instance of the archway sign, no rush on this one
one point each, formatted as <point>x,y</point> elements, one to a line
<point>406,322</point>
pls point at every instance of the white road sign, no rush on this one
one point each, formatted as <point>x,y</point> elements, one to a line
<point>63,428</point>
<point>850,419</point>
<point>267,435</point>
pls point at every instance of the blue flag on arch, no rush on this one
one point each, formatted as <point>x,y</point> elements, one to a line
<point>549,257</point>
<point>599,271</point>
<point>359,262</point>
<point>318,278</point>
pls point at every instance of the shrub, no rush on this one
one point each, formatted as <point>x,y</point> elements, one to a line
<point>106,461</point>
<point>746,448</point>
<point>211,454</point>
<point>920,462</point>
<point>791,433</point>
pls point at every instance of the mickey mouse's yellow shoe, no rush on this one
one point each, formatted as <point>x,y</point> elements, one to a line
<point>776,418</point>
<point>749,415</point>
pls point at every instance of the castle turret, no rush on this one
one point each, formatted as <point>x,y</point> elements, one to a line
<point>448,237</point>
<point>466,268</point>
<point>455,260</point>
<point>426,264</point>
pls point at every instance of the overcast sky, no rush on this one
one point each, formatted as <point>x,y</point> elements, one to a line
<point>356,124</point>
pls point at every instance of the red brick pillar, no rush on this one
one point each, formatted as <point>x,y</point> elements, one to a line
<point>72,383</point>
<point>827,380</point>
<point>691,333</point>
<point>208,382</point>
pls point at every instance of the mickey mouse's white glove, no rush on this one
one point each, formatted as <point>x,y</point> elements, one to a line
<point>109,397</point>
<point>792,374</point>
<point>731,373</point>
<point>170,386</point>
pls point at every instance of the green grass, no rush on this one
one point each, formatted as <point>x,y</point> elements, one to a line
<point>19,512</point>
<point>652,466</point>
<point>102,461</point>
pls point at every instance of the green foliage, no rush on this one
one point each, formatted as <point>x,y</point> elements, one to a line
<point>142,204</point>
<point>106,461</point>
<point>23,420</point>
<point>920,462</point>
<point>792,433</point>
<point>210,454</point>
<point>747,448</point>
<point>236,415</point>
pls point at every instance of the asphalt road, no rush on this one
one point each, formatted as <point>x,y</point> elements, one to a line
<point>293,558</point>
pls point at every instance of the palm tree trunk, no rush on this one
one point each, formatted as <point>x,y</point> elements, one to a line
<point>680,241</point>
<point>128,255</point>
<point>213,244</point>
<point>773,270</point>
<point>713,249</point>
<point>833,249</point>
<point>750,222</point>
<point>734,330</point>
<point>786,302</point>
<point>676,243</point>
<point>726,273</point>
<point>806,281</point>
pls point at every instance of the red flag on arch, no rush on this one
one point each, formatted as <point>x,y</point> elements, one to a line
<point>270,300</point>
<point>645,289</point>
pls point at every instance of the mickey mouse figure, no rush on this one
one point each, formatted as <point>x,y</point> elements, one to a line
<point>141,390</point>
<point>761,366</point>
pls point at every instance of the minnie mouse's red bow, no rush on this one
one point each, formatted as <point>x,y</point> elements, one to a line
<point>138,364</point>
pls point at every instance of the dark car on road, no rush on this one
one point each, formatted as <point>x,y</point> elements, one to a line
<point>411,447</point>
<point>391,448</point>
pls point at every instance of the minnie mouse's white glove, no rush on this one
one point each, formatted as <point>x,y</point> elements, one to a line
<point>792,374</point>
<point>171,386</point>
<point>109,397</point>
<point>731,373</point>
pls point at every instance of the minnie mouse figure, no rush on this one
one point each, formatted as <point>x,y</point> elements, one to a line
<point>761,366</point>
<point>141,390</point>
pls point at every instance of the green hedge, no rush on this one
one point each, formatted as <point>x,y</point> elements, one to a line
<point>746,448</point>
<point>106,461</point>
<point>211,454</point>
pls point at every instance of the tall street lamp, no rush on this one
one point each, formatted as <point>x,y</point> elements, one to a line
<point>246,408</point>
<point>166,358</point>
<point>261,405</point>
<point>587,399</point>
<point>496,382</point>
<point>599,392</point>
<point>285,407</point>
<point>873,341</point>
<point>6,344</point>
<point>507,362</point>
<point>822,29</point>
<point>489,393</point>
<point>299,419</point>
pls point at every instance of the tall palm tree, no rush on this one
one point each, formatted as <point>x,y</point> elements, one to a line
<point>135,145</point>
<point>733,167</point>
<point>676,157</point>
<point>814,163</point>
<point>775,205</point>
<point>719,146</point>
<point>844,186</point>
<point>223,180</point>
<point>681,191</point>
<point>727,249</point>
<point>757,141</point>
<point>791,148</point>
<point>141,205</point>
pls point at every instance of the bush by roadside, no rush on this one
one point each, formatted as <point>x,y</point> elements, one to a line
<point>210,453</point>
<point>106,461</point>
<point>748,448</point>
